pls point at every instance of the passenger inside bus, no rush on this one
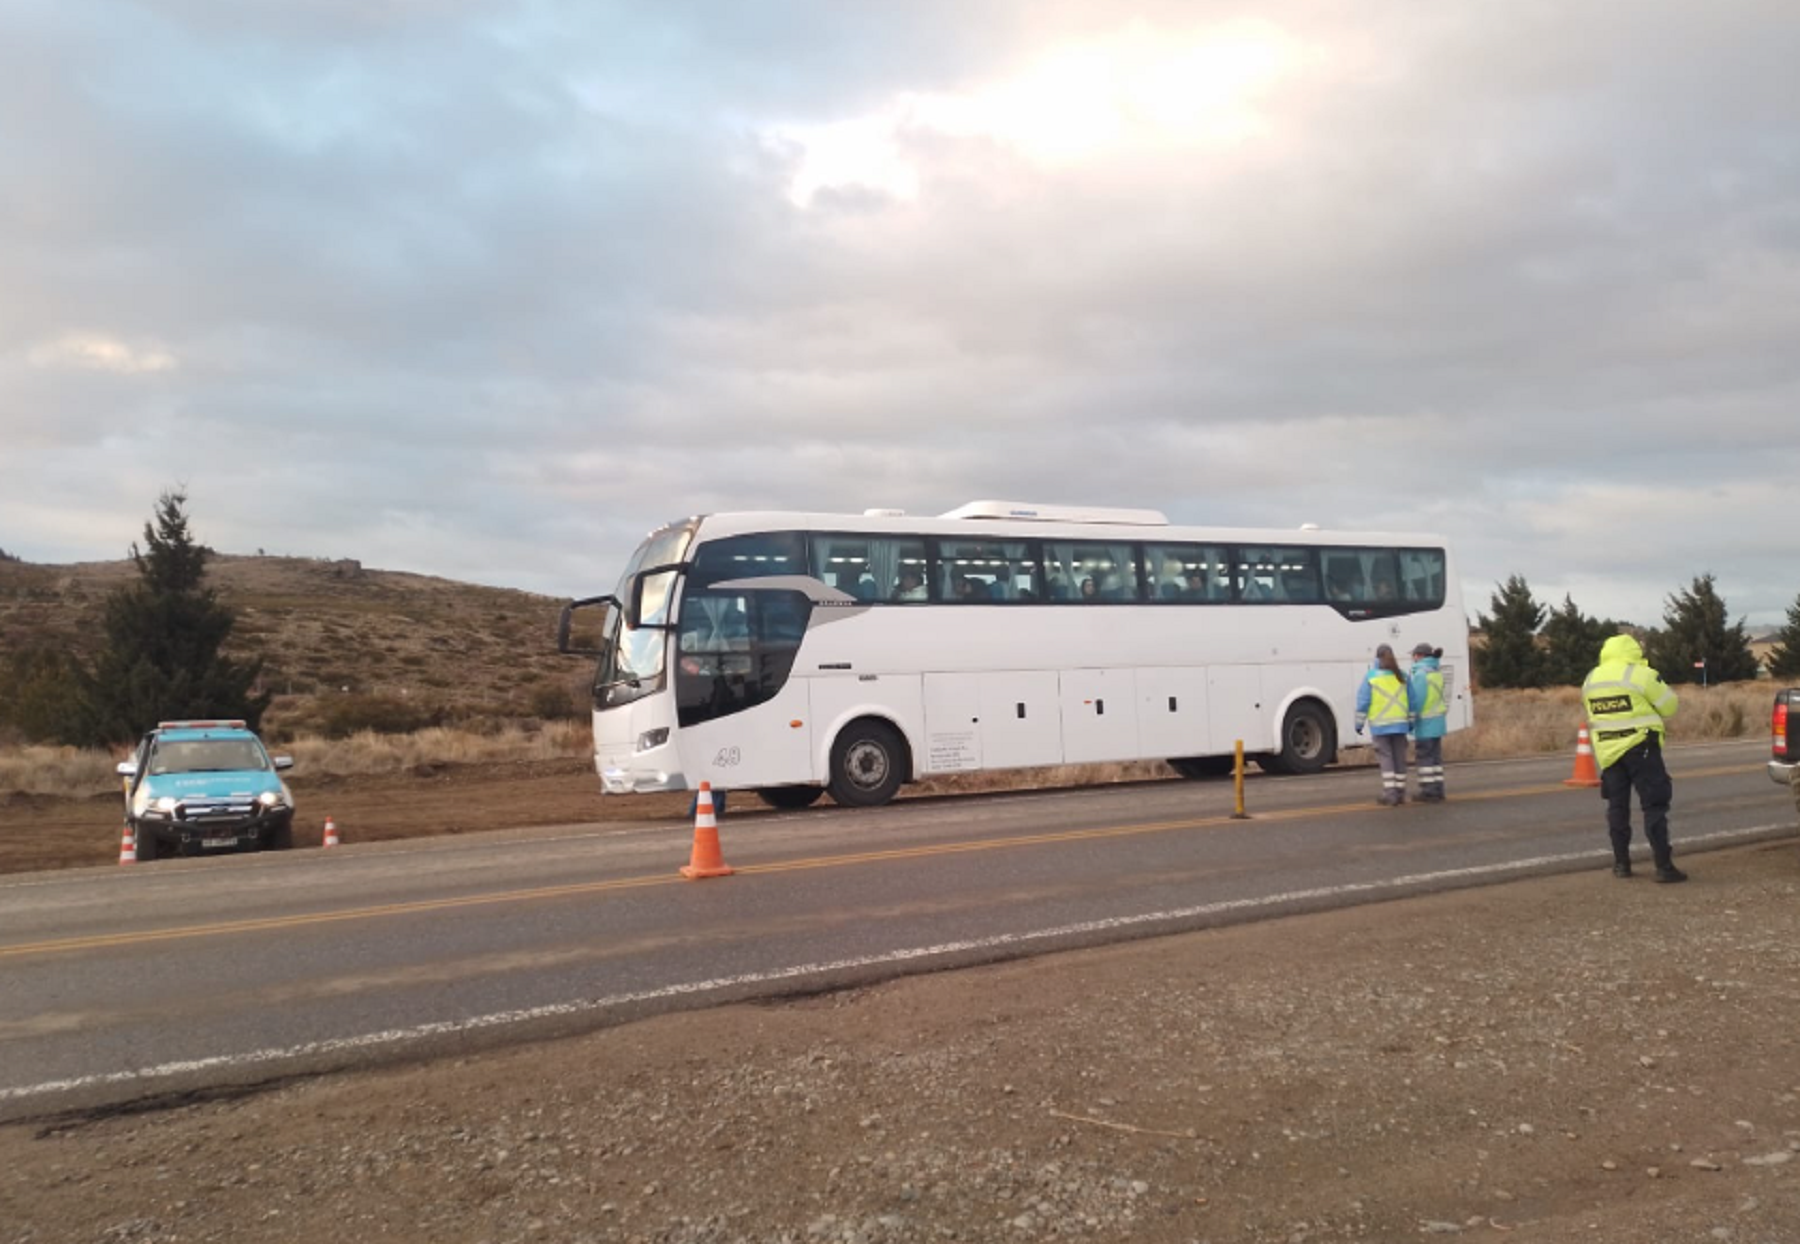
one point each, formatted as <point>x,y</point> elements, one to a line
<point>971,589</point>
<point>1297,585</point>
<point>857,583</point>
<point>910,586</point>
<point>1172,574</point>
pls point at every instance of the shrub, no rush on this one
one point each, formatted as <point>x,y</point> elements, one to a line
<point>555,701</point>
<point>345,715</point>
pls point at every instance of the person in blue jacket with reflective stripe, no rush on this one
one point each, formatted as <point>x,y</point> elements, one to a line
<point>1384,705</point>
<point>1425,683</point>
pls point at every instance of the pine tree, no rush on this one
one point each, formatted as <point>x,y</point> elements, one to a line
<point>1695,629</point>
<point>1572,643</point>
<point>1509,655</point>
<point>1784,658</point>
<point>163,638</point>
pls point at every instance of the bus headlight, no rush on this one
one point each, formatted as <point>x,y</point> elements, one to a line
<point>653,738</point>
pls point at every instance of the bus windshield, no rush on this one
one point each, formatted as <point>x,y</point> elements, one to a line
<point>631,661</point>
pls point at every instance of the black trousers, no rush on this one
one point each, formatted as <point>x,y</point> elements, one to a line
<point>1640,769</point>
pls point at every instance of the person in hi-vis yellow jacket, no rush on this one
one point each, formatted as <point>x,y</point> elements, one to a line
<point>1628,709</point>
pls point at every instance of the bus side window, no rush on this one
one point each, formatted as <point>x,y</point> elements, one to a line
<point>1091,573</point>
<point>1344,580</point>
<point>747,557</point>
<point>987,571</point>
<point>1184,572</point>
<point>1287,575</point>
<point>1255,575</point>
<point>714,624</point>
<point>1422,576</point>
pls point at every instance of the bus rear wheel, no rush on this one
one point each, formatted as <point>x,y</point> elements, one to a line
<point>790,796</point>
<point>1308,740</point>
<point>1196,767</point>
<point>868,764</point>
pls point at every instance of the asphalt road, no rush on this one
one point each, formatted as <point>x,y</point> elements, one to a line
<point>120,983</point>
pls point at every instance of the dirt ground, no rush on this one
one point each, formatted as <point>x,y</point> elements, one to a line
<point>1572,1058</point>
<point>40,831</point>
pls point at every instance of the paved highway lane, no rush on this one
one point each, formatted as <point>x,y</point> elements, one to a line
<point>117,983</point>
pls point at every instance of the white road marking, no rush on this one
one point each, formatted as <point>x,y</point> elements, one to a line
<point>400,1036</point>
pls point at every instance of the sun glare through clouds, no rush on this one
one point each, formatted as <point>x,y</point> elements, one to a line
<point>1136,88</point>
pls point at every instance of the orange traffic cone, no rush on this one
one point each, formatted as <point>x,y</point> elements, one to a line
<point>128,846</point>
<point>331,835</point>
<point>1586,772</point>
<point>706,860</point>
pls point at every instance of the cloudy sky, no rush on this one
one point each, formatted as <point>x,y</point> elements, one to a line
<point>487,290</point>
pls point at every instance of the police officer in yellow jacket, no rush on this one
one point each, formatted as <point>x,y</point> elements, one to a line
<point>1628,708</point>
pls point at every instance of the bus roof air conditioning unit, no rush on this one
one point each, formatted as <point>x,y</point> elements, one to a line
<point>879,513</point>
<point>1059,513</point>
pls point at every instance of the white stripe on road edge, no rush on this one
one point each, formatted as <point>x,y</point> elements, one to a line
<point>399,1036</point>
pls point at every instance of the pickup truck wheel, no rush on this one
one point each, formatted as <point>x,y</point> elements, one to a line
<point>281,838</point>
<point>143,842</point>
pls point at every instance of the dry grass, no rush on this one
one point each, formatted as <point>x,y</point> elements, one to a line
<point>1523,723</point>
<point>1507,723</point>
<point>81,772</point>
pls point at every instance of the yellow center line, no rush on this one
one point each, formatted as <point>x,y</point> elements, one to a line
<point>107,940</point>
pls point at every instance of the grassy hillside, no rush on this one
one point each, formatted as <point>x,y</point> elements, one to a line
<point>340,643</point>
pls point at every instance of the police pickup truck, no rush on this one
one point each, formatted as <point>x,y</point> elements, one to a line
<point>200,787</point>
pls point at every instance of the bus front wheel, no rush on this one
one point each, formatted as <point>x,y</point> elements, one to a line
<point>868,764</point>
<point>790,796</point>
<point>1308,740</point>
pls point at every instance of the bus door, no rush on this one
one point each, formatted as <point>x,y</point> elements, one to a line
<point>745,721</point>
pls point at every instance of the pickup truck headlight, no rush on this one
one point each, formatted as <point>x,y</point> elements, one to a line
<point>271,799</point>
<point>167,805</point>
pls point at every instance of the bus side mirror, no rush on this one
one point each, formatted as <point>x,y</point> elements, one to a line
<point>565,623</point>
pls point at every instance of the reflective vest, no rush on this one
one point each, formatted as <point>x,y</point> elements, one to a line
<point>1626,703</point>
<point>1387,700</point>
<point>1434,697</point>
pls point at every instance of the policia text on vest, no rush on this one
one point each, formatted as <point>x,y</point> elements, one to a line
<point>1628,708</point>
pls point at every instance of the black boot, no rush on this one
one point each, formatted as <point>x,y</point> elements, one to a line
<point>1668,874</point>
<point>1621,868</point>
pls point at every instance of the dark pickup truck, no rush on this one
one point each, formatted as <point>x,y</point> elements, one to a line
<point>1783,758</point>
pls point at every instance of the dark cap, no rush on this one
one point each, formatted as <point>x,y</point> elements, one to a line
<point>1424,650</point>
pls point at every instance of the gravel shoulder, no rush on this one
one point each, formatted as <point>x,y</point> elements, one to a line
<point>1563,1058</point>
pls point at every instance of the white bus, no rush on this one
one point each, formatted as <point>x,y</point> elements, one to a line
<point>794,654</point>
